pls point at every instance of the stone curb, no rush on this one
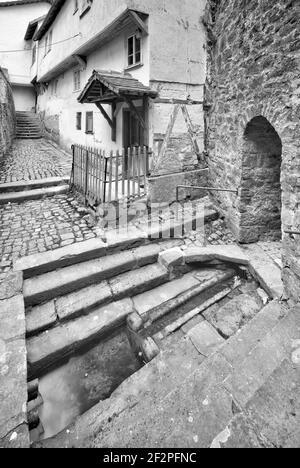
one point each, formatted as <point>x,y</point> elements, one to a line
<point>26,185</point>
<point>13,365</point>
<point>253,257</point>
<point>18,197</point>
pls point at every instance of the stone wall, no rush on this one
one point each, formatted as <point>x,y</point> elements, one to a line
<point>14,431</point>
<point>253,72</point>
<point>7,113</point>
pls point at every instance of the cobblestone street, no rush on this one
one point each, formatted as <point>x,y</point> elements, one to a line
<point>34,159</point>
<point>41,225</point>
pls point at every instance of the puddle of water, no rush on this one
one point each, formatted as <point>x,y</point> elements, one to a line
<point>84,380</point>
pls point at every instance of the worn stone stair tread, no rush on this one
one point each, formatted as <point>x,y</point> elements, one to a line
<point>40,318</point>
<point>71,278</point>
<point>149,301</point>
<point>80,302</point>
<point>51,285</point>
<point>205,338</point>
<point>46,262</point>
<point>265,270</point>
<point>233,315</point>
<point>84,301</point>
<point>55,344</point>
<point>138,281</point>
<point>15,197</point>
<point>25,185</point>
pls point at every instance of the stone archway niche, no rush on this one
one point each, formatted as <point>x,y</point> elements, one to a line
<point>260,201</point>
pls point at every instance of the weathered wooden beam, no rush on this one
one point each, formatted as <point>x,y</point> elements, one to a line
<point>187,102</point>
<point>164,146</point>
<point>104,113</point>
<point>136,112</point>
<point>191,131</point>
<point>114,122</point>
<point>146,119</point>
<point>140,23</point>
<point>81,60</point>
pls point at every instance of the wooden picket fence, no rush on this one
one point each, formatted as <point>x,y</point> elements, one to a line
<point>106,177</point>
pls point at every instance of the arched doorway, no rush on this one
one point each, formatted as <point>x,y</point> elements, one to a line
<point>260,202</point>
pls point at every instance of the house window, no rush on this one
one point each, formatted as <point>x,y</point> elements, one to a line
<point>85,6</point>
<point>89,123</point>
<point>78,120</point>
<point>50,41</point>
<point>134,50</point>
<point>77,81</point>
<point>54,87</point>
<point>33,55</point>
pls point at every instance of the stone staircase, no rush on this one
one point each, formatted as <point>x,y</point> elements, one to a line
<point>18,192</point>
<point>28,125</point>
<point>81,292</point>
<point>71,307</point>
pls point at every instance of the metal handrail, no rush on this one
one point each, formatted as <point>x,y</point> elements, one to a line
<point>196,187</point>
<point>297,233</point>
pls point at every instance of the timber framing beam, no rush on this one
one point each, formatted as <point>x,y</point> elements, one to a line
<point>112,122</point>
<point>135,111</point>
<point>81,60</point>
<point>140,23</point>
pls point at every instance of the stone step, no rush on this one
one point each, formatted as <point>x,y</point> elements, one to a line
<point>52,346</point>
<point>26,185</point>
<point>30,126</point>
<point>120,240</point>
<point>72,305</point>
<point>57,283</point>
<point>56,343</point>
<point>28,137</point>
<point>19,197</point>
<point>27,131</point>
<point>160,301</point>
<point>265,270</point>
<point>151,304</point>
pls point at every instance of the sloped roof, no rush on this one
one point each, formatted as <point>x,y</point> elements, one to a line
<point>104,86</point>
<point>31,28</point>
<point>22,2</point>
<point>50,17</point>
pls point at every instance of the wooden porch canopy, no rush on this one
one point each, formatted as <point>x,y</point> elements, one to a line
<point>112,88</point>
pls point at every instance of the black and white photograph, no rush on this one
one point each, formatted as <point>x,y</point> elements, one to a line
<point>149,227</point>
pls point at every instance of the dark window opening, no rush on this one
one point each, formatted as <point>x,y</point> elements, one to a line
<point>33,55</point>
<point>89,124</point>
<point>78,120</point>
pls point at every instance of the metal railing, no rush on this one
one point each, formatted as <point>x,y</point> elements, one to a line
<point>196,187</point>
<point>292,232</point>
<point>106,177</point>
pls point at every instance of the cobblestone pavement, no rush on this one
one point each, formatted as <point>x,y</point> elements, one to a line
<point>34,159</point>
<point>41,225</point>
